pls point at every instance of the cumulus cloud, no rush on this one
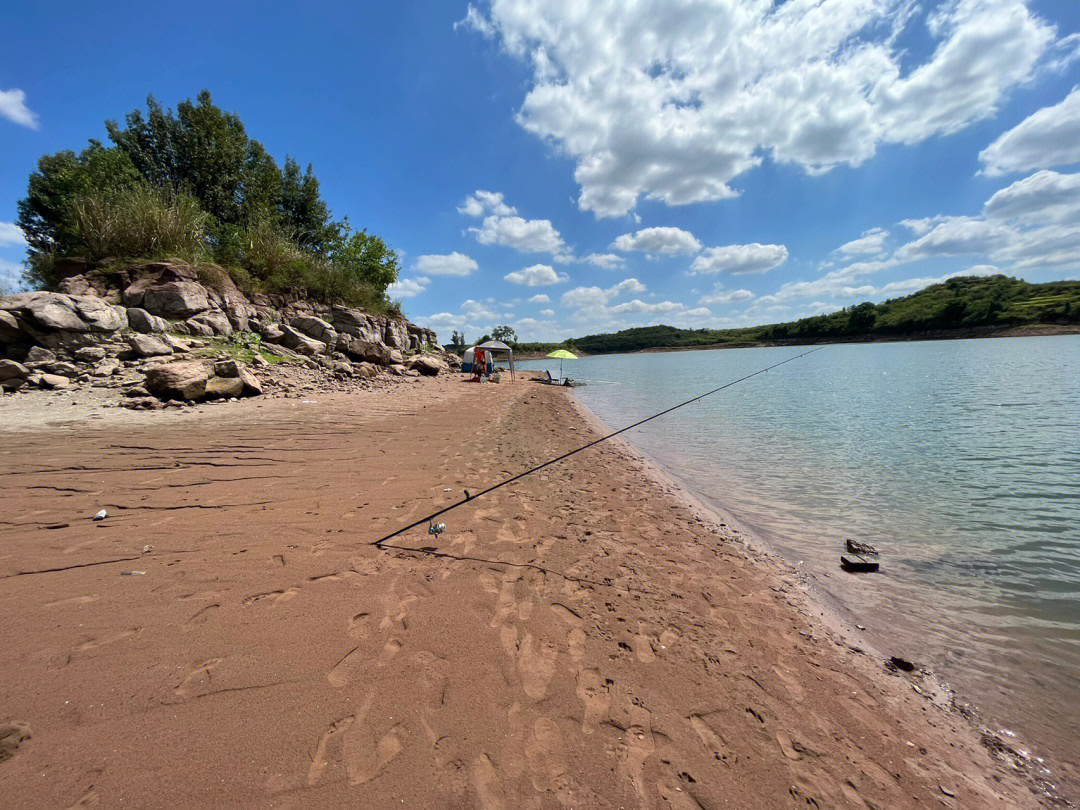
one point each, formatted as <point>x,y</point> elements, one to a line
<point>451,264</point>
<point>11,234</point>
<point>740,259</point>
<point>481,202</point>
<point>539,275</point>
<point>721,296</point>
<point>408,287</point>
<point>13,108</point>
<point>1046,196</point>
<point>547,313</point>
<point>1049,137</point>
<point>665,240</point>
<point>673,101</point>
<point>608,261</point>
<point>524,235</point>
<point>540,298</point>
<point>871,242</point>
<point>581,297</point>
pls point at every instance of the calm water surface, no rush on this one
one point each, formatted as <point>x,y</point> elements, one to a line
<point>959,459</point>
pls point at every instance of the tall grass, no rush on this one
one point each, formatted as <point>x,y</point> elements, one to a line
<point>141,222</point>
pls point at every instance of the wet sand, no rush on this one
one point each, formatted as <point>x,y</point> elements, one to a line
<point>228,637</point>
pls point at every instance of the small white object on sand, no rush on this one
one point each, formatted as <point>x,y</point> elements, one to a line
<point>100,515</point>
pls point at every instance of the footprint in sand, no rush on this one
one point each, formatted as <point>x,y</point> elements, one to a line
<point>93,644</point>
<point>711,739</point>
<point>794,688</point>
<point>450,774</point>
<point>389,650</point>
<point>197,677</point>
<point>359,626</point>
<point>12,735</point>
<point>536,663</point>
<point>595,694</point>
<point>546,758</point>
<point>341,673</point>
<point>363,763</point>
<point>639,747</point>
<point>322,755</point>
<point>513,750</point>
<point>274,597</point>
<point>575,641</point>
<point>676,797</point>
<point>486,783</point>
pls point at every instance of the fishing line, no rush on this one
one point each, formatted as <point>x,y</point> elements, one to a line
<point>468,497</point>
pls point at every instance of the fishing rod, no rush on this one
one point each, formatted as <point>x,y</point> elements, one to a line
<point>470,497</point>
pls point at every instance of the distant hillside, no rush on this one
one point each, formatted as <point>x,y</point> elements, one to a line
<point>964,305</point>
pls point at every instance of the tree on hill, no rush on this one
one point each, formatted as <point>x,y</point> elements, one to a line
<point>193,184</point>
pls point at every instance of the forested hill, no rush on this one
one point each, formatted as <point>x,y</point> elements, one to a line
<point>963,305</point>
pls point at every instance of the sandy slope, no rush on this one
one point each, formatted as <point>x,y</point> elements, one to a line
<point>599,645</point>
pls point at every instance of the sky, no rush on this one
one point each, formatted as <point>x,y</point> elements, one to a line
<point>569,168</point>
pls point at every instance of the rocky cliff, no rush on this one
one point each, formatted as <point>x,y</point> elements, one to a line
<point>167,332</point>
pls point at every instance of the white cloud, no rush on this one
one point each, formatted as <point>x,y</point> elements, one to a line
<point>13,108</point>
<point>477,22</point>
<point>492,202</point>
<point>740,259</point>
<point>673,101</point>
<point>451,264</point>
<point>871,242</point>
<point>721,296</point>
<point>639,306</point>
<point>608,261</point>
<point>1044,196</point>
<point>524,235</point>
<point>954,237</point>
<point>629,285</point>
<point>10,277</point>
<point>408,287</point>
<point>1049,137</point>
<point>539,275</point>
<point>11,234</point>
<point>658,240</point>
<point>547,313</point>
<point>540,298</point>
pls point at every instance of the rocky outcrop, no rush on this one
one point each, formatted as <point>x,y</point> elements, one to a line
<point>110,328</point>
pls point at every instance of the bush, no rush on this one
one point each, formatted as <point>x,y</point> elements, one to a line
<point>141,222</point>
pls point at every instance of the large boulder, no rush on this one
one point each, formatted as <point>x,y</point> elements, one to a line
<point>106,368</point>
<point>301,343</point>
<point>89,354</point>
<point>224,387</point>
<point>270,332</point>
<point>355,322</point>
<point>10,370</point>
<point>142,321</point>
<point>426,364</point>
<point>10,329</point>
<point>185,380</point>
<point>148,346</point>
<point>217,322</point>
<point>53,381</point>
<point>316,329</point>
<point>236,369</point>
<point>47,310</point>
<point>100,316</point>
<point>174,299</point>
<point>368,352</point>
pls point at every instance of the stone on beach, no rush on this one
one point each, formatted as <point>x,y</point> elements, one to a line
<point>147,346</point>
<point>184,380</point>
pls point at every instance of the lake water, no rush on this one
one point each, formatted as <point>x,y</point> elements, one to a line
<point>959,460</point>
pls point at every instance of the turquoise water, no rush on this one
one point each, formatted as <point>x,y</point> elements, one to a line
<point>959,459</point>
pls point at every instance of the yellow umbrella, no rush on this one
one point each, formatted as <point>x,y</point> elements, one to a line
<point>560,355</point>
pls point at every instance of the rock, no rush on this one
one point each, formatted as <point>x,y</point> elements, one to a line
<point>147,346</point>
<point>89,354</point>
<point>178,299</point>
<point>176,344</point>
<point>14,384</point>
<point>260,361</point>
<point>39,355</point>
<point>48,310</point>
<point>234,368</point>
<point>63,368</point>
<point>301,343</point>
<point>181,380</point>
<point>901,663</point>
<point>396,356</point>
<point>398,370</point>
<point>99,315</point>
<point>426,364</point>
<point>316,328</point>
<point>106,368</point>
<point>136,391</point>
<point>10,370</point>
<point>54,381</point>
<point>368,352</point>
<point>218,322</point>
<point>142,404</point>
<point>195,327</point>
<point>9,326</point>
<point>220,387</point>
<point>142,321</point>
<point>270,332</point>
<point>12,735</point>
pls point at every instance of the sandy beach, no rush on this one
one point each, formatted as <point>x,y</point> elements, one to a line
<point>228,636</point>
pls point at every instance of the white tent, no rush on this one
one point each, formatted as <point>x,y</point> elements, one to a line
<point>494,348</point>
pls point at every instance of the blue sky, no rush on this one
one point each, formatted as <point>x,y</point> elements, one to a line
<point>569,170</point>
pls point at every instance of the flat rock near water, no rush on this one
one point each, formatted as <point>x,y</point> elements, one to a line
<point>227,636</point>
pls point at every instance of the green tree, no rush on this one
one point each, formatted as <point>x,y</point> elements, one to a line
<point>457,342</point>
<point>365,258</point>
<point>504,333</point>
<point>303,209</point>
<point>45,214</point>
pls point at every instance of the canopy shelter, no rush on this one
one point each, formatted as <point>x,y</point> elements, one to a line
<point>495,350</point>
<point>560,355</point>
